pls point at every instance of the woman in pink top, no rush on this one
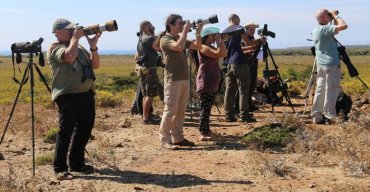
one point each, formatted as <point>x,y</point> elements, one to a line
<point>209,75</point>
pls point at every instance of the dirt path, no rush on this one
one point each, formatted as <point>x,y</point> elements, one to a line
<point>128,157</point>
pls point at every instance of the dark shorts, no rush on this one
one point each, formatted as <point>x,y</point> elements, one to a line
<point>149,82</point>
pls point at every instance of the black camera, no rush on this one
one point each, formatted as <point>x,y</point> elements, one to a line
<point>211,19</point>
<point>265,32</point>
<point>141,60</point>
<point>234,31</point>
<point>27,47</point>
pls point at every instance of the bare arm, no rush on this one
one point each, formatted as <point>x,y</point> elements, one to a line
<point>339,22</point>
<point>215,53</point>
<point>95,59</point>
<point>70,54</point>
<point>179,45</point>
<point>197,45</point>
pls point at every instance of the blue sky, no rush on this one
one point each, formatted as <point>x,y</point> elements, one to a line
<point>291,20</point>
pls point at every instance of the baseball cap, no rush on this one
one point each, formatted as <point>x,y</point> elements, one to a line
<point>208,31</point>
<point>251,24</point>
<point>63,24</point>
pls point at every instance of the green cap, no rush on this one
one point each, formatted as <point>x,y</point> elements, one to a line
<point>208,31</point>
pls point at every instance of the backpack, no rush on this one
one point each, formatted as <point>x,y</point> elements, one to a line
<point>344,104</point>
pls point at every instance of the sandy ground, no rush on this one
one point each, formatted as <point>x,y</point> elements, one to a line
<point>127,157</point>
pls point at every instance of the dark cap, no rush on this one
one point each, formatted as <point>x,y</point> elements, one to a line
<point>61,23</point>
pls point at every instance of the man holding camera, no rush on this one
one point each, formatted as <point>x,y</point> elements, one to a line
<point>249,50</point>
<point>328,65</point>
<point>238,76</point>
<point>147,59</point>
<point>73,91</point>
<point>176,79</point>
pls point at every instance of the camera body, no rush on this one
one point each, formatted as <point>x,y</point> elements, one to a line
<point>141,60</point>
<point>237,31</point>
<point>27,47</point>
<point>265,32</point>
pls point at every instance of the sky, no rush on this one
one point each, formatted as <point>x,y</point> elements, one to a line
<point>291,20</point>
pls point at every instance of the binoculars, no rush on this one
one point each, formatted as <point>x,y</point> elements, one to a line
<point>98,28</point>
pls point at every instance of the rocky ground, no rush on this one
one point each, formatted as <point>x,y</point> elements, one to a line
<point>127,156</point>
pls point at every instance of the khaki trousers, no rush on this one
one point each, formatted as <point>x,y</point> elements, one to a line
<point>176,96</point>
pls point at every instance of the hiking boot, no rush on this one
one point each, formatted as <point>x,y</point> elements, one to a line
<point>86,169</point>
<point>185,142</point>
<point>248,119</point>
<point>230,119</point>
<point>151,121</point>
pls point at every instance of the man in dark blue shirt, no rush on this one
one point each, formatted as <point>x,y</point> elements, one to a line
<point>238,75</point>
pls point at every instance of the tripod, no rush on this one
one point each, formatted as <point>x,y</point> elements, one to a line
<point>309,86</point>
<point>28,73</point>
<point>273,73</point>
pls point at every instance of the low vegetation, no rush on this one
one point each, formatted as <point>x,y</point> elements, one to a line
<point>51,135</point>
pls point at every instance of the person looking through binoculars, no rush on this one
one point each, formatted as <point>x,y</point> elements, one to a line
<point>72,86</point>
<point>173,43</point>
<point>328,65</point>
<point>147,59</point>
<point>209,74</point>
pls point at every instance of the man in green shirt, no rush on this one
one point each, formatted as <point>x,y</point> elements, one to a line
<point>176,79</point>
<point>72,89</point>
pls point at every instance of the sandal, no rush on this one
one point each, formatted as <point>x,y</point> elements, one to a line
<point>64,175</point>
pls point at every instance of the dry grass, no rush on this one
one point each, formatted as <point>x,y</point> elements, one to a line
<point>103,153</point>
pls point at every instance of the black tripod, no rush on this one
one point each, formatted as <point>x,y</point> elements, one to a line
<point>28,73</point>
<point>267,73</point>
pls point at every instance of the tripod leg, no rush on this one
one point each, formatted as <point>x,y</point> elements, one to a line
<point>283,84</point>
<point>32,85</point>
<point>14,104</point>
<point>362,82</point>
<point>42,77</point>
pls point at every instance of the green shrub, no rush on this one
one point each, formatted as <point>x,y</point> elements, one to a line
<point>107,99</point>
<point>46,159</point>
<point>51,135</point>
<point>269,136</point>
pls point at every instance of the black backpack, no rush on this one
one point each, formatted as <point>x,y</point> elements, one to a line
<point>344,104</point>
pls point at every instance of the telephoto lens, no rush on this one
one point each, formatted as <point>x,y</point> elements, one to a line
<point>108,26</point>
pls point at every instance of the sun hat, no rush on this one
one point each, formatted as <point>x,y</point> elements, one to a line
<point>208,31</point>
<point>251,24</point>
<point>62,23</point>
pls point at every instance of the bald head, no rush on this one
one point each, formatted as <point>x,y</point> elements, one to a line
<point>322,16</point>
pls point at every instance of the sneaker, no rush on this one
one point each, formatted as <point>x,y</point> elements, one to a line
<point>169,146</point>
<point>64,175</point>
<point>185,142</point>
<point>86,169</point>
<point>206,137</point>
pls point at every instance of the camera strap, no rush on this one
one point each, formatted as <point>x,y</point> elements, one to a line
<point>19,69</point>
